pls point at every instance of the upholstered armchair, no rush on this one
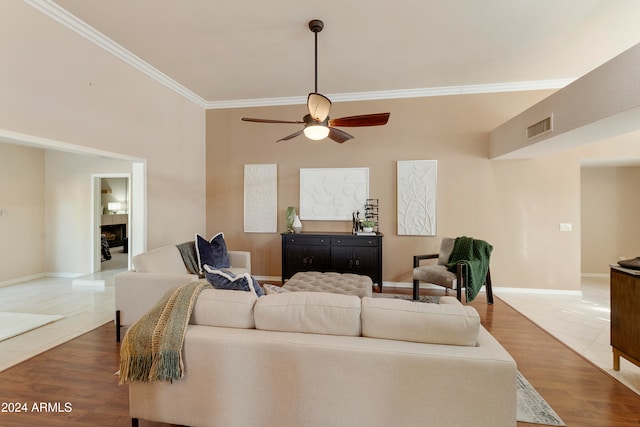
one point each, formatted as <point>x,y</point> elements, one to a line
<point>439,274</point>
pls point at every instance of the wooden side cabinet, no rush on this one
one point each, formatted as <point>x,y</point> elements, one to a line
<point>625,315</point>
<point>339,252</point>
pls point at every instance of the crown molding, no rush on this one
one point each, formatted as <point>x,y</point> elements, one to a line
<point>54,11</point>
<point>62,16</point>
<point>399,94</point>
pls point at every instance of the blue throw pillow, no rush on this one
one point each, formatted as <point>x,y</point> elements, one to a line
<point>223,279</point>
<point>212,253</point>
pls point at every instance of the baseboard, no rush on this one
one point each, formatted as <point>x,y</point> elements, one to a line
<point>537,291</point>
<point>38,276</point>
<point>596,275</point>
<point>22,279</point>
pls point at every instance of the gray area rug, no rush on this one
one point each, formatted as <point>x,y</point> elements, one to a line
<point>532,408</point>
<point>428,299</point>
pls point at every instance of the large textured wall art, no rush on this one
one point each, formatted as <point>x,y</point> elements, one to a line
<point>261,198</point>
<point>332,194</point>
<point>417,197</point>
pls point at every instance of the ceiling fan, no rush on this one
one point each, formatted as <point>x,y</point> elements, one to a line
<point>317,124</point>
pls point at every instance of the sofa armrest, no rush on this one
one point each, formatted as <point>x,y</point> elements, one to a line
<point>240,259</point>
<point>135,293</point>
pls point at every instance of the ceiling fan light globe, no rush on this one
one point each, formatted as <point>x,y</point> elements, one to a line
<point>316,132</point>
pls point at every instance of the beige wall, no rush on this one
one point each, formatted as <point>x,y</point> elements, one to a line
<point>21,212</point>
<point>59,86</point>
<point>516,205</point>
<point>610,207</point>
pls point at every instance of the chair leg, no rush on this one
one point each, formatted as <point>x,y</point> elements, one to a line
<point>117,325</point>
<point>416,290</point>
<point>488,287</point>
<point>459,281</point>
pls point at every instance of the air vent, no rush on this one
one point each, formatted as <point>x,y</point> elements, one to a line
<point>540,128</point>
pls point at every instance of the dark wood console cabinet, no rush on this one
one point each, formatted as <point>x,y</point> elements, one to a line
<point>625,315</point>
<point>339,252</point>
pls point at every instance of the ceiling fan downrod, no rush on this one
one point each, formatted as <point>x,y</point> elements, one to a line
<point>316,26</point>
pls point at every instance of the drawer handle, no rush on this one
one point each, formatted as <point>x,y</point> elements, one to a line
<point>370,242</point>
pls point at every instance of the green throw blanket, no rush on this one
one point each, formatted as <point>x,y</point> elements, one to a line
<point>474,254</point>
<point>152,348</point>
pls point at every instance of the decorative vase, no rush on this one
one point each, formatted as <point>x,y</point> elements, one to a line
<point>291,216</point>
<point>297,225</point>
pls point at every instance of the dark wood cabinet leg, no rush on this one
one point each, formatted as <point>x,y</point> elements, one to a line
<point>118,325</point>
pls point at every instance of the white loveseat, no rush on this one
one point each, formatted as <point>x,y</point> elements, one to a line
<point>319,359</point>
<point>154,273</point>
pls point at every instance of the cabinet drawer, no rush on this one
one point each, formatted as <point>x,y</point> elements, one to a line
<point>355,241</point>
<point>307,240</point>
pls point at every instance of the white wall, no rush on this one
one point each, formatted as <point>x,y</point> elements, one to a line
<point>59,86</point>
<point>68,209</point>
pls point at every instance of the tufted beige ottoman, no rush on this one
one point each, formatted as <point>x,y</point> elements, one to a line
<point>337,283</point>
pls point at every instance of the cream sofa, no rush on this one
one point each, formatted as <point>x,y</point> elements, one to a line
<point>154,273</point>
<point>319,359</point>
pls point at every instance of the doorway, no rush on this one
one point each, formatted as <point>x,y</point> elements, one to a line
<point>113,223</point>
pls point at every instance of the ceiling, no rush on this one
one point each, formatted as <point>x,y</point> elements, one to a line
<point>237,53</point>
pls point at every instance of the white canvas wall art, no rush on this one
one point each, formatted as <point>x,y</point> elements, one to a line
<point>332,194</point>
<point>261,198</point>
<point>417,181</point>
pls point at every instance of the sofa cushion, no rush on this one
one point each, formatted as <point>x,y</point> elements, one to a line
<point>403,320</point>
<point>309,312</point>
<point>224,279</point>
<point>212,252</point>
<point>224,308</point>
<point>164,260</point>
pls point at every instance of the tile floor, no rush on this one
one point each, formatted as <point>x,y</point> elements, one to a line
<point>579,319</point>
<point>86,303</point>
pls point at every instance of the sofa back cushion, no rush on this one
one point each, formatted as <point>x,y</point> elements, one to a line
<point>309,312</point>
<point>224,308</point>
<point>164,260</point>
<point>396,319</point>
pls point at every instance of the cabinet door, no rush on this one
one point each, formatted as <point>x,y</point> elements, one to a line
<point>307,258</point>
<point>356,260</point>
<point>305,253</point>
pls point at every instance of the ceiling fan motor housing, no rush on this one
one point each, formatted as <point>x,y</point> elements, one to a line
<point>316,25</point>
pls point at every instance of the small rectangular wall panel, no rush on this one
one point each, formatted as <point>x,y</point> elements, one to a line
<point>261,198</point>
<point>332,194</point>
<point>417,197</point>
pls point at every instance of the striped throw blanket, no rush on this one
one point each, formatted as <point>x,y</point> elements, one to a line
<point>152,347</point>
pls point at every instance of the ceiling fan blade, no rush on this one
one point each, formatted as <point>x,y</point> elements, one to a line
<point>293,135</point>
<point>319,106</point>
<point>338,135</point>
<point>249,119</point>
<point>363,120</point>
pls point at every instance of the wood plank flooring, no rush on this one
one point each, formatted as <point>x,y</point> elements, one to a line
<point>81,372</point>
